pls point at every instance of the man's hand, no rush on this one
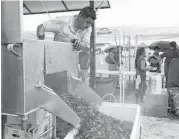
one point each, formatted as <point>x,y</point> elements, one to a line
<point>40,32</point>
<point>76,44</point>
<point>41,37</point>
<point>151,68</point>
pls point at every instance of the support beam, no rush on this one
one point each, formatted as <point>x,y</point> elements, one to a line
<point>100,6</point>
<point>136,42</point>
<point>92,82</point>
<point>27,8</point>
<point>65,5</point>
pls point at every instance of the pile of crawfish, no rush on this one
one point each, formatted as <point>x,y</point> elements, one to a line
<point>94,124</point>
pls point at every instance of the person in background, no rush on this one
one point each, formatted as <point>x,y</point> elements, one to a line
<point>141,68</point>
<point>112,65</point>
<point>173,87</point>
<point>169,55</point>
<point>173,75</point>
<point>155,60</point>
<point>74,29</point>
<point>113,61</point>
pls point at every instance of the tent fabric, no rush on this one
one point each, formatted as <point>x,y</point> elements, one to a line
<point>163,45</point>
<point>37,7</point>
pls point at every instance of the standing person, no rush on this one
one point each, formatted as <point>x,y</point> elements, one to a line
<point>169,55</point>
<point>141,68</point>
<point>113,64</point>
<point>113,59</point>
<point>173,87</point>
<point>173,75</point>
<point>74,29</point>
<point>155,60</point>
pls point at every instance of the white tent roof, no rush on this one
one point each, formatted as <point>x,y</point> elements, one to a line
<point>52,6</point>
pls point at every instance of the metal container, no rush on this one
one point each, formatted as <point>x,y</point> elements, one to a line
<point>126,112</point>
<point>24,66</point>
<point>64,82</point>
<point>11,23</point>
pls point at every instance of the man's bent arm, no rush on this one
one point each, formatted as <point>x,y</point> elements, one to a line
<point>48,26</point>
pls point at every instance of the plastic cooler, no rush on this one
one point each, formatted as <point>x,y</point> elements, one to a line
<point>154,83</point>
<point>126,112</point>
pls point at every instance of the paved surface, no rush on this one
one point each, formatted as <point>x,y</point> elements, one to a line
<point>159,128</point>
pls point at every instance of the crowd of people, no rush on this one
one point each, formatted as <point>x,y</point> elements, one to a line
<point>152,63</point>
<point>142,67</point>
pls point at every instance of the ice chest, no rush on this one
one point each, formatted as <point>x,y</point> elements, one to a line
<point>126,112</point>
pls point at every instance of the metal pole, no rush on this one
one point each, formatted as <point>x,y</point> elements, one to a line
<point>100,5</point>
<point>129,56</point>
<point>136,42</point>
<point>136,39</point>
<point>92,82</point>
<point>119,39</point>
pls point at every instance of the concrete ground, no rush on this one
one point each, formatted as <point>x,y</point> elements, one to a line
<point>159,128</point>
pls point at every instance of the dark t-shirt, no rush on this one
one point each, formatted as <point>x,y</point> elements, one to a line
<point>112,55</point>
<point>139,71</point>
<point>154,62</point>
<point>173,76</point>
<point>170,54</point>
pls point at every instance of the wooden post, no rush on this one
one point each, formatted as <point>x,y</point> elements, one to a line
<point>92,81</point>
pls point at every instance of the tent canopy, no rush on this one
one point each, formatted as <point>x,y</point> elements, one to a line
<point>37,7</point>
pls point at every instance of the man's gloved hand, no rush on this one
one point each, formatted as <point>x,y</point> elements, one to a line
<point>40,32</point>
<point>76,44</point>
<point>42,37</point>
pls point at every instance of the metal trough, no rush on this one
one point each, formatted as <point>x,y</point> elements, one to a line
<point>126,112</point>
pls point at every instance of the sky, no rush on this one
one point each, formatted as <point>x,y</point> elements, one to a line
<point>124,12</point>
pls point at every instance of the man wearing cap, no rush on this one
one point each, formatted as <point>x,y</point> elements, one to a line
<point>74,29</point>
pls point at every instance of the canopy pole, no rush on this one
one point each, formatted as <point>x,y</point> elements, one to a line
<point>136,42</point>
<point>92,81</point>
<point>129,43</point>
